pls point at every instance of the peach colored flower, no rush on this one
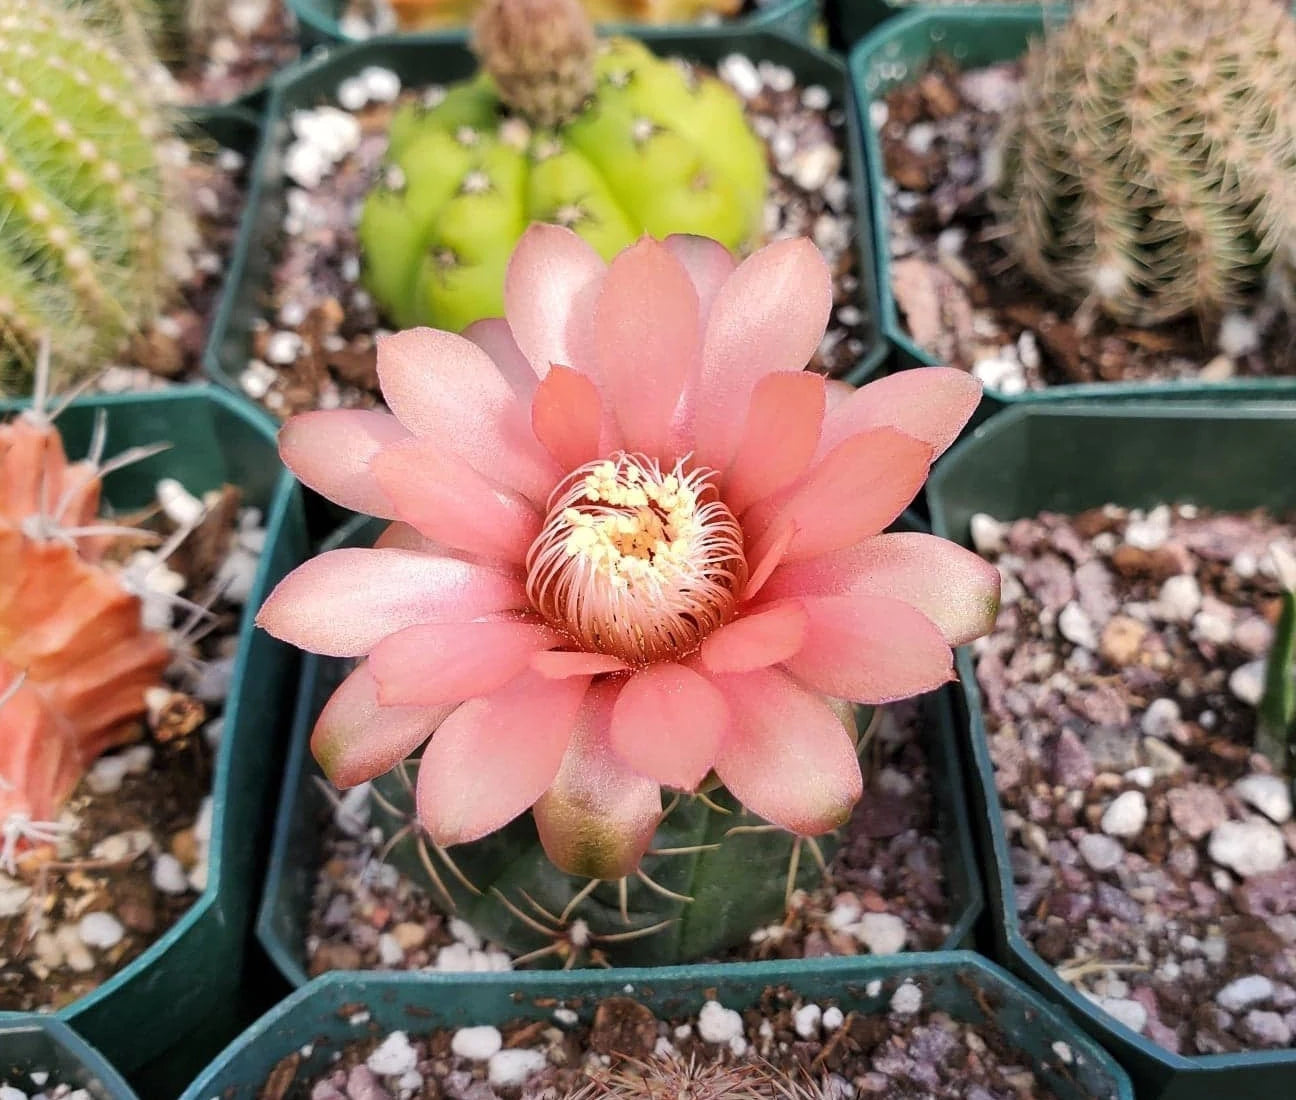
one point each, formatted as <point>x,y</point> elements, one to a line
<point>633,543</point>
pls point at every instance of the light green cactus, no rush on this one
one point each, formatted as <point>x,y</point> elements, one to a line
<point>714,874</point>
<point>606,139</point>
<point>86,194</point>
<point>1276,721</point>
<point>1150,171</point>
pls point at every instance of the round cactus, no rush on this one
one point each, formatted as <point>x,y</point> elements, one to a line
<point>603,138</point>
<point>1150,169</point>
<point>86,192</point>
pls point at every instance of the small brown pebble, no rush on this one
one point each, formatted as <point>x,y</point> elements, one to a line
<point>623,1026</point>
<point>334,956</point>
<point>184,846</point>
<point>1122,639</point>
<point>409,935</point>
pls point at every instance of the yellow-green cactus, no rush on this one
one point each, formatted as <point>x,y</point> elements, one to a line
<point>604,138</point>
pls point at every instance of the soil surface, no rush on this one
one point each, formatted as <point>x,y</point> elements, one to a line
<point>966,302</point>
<point>885,891</point>
<point>315,346</point>
<point>247,41</point>
<point>1154,851</point>
<point>131,850</point>
<point>784,1048</point>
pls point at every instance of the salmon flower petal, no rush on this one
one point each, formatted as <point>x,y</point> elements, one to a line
<point>330,452</point>
<point>667,724</point>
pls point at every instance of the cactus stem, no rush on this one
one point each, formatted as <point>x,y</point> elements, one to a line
<point>657,887</point>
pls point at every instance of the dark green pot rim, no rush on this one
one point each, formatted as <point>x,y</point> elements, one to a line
<point>96,1074</point>
<point>985,21</point>
<point>1020,956</point>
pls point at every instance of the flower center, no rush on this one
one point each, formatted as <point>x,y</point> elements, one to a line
<point>637,563</point>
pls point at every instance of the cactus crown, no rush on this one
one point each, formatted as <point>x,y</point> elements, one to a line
<point>659,1077</point>
<point>1276,729</point>
<point>1150,170</point>
<point>540,54</point>
<point>87,186</point>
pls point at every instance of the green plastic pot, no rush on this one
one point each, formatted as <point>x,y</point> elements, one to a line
<point>338,1008</point>
<point>145,1018</point>
<point>319,21</point>
<point>973,36</point>
<point>851,20</point>
<point>40,1044</point>
<point>295,855</point>
<point>422,59</point>
<point>1068,459</point>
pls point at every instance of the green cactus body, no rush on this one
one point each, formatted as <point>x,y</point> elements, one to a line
<point>82,186</point>
<point>653,151</point>
<point>715,873</point>
<point>1150,170</point>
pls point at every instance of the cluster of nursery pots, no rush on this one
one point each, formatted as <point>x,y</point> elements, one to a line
<point>162,1021</point>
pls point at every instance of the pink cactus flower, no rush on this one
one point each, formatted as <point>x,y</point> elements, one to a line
<point>633,545</point>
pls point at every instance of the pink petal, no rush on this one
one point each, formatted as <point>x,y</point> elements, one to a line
<point>448,501</point>
<point>769,316</point>
<point>835,392</point>
<point>436,663</point>
<point>853,493</point>
<point>773,547</point>
<point>557,664</point>
<point>494,756</point>
<point>355,739</point>
<point>646,337</point>
<point>667,724</point>
<point>787,758</point>
<point>778,438</point>
<point>708,264</point>
<point>344,602</point>
<point>330,452</point>
<point>566,415</point>
<point>443,386</point>
<point>550,287</point>
<point>756,640</point>
<point>597,819</point>
<point>953,587</point>
<point>931,404</point>
<point>869,649</point>
<point>495,338</point>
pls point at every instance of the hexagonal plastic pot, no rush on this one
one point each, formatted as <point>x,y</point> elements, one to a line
<point>320,21</point>
<point>341,1007</point>
<point>295,855</point>
<point>423,59</point>
<point>42,1045</point>
<point>151,1013</point>
<point>1067,459</point>
<point>981,35</point>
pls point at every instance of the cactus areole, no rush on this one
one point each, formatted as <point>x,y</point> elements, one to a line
<point>601,137</point>
<point>633,546</point>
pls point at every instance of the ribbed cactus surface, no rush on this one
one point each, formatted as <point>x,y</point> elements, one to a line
<point>652,150</point>
<point>84,186</point>
<point>1150,171</point>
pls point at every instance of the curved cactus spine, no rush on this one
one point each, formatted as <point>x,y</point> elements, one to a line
<point>86,188</point>
<point>1150,170</point>
<point>713,875</point>
<point>75,660</point>
<point>630,146</point>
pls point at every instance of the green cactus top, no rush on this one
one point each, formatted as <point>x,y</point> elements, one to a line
<point>655,150</point>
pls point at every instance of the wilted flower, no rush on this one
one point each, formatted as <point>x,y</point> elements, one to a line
<point>634,543</point>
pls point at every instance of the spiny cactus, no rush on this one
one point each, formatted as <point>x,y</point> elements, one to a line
<point>421,15</point>
<point>658,1078</point>
<point>1276,725</point>
<point>75,661</point>
<point>88,192</point>
<point>607,140</point>
<point>1150,170</point>
<point>714,874</point>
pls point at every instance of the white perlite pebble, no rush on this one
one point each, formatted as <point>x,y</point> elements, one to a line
<point>1076,627</point>
<point>106,776</point>
<point>833,1018</point>
<point>8,1092</point>
<point>1101,853</point>
<point>806,1020</point>
<point>477,1044</point>
<point>169,875</point>
<point>1162,719</point>
<point>740,74</point>
<point>101,930</point>
<point>882,933</point>
<point>988,534</point>
<point>1244,992</point>
<point>1247,682</point>
<point>393,1056</point>
<point>906,1000</point>
<point>1179,600</point>
<point>717,1024</point>
<point>1268,794</point>
<point>1238,335</point>
<point>181,507</point>
<point>1248,847</point>
<point>510,1068</point>
<point>1126,816</point>
<point>1130,1013</point>
<point>383,85</point>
